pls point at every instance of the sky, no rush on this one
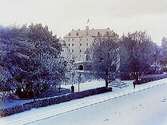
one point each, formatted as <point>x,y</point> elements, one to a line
<point>62,16</point>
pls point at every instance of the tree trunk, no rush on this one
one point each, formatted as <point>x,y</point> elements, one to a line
<point>106,78</point>
<point>106,81</point>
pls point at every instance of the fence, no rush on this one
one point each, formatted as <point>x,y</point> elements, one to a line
<point>50,101</point>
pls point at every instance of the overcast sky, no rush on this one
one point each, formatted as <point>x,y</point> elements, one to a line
<point>63,15</point>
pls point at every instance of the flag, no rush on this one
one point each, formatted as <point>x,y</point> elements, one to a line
<point>88,21</point>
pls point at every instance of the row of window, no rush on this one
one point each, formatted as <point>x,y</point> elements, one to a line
<point>77,34</point>
<point>79,44</point>
<point>98,33</point>
<point>73,50</point>
<point>72,39</point>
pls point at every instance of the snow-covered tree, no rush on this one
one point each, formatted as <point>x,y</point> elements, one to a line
<point>31,54</point>
<point>137,53</point>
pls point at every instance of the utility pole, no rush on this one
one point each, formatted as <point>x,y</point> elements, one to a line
<point>79,80</point>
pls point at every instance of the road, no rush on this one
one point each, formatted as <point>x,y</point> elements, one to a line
<point>148,107</point>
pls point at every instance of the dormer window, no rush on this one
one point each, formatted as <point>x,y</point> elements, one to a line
<point>107,33</point>
<point>98,33</point>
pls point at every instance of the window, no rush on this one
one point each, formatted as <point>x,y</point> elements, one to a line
<point>80,51</point>
<point>77,34</point>
<point>87,57</point>
<point>80,67</point>
<point>107,33</point>
<point>87,44</point>
<point>80,44</point>
<point>72,50</point>
<point>98,33</point>
<point>101,59</point>
<point>68,44</point>
<point>69,34</point>
<point>72,44</point>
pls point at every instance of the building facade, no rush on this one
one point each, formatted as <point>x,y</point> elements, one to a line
<point>78,42</point>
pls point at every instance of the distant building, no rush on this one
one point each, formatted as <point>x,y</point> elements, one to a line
<point>78,42</point>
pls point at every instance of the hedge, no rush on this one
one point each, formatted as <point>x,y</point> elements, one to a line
<point>53,100</point>
<point>151,78</point>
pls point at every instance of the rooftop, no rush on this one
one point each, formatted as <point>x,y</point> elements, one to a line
<point>89,32</point>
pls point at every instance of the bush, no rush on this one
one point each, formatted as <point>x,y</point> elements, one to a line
<point>151,78</point>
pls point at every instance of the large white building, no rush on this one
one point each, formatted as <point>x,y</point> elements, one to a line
<point>77,42</point>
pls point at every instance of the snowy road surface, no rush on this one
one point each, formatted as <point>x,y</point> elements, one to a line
<point>143,108</point>
<point>146,107</point>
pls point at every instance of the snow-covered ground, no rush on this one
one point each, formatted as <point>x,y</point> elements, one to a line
<point>96,84</point>
<point>145,105</point>
<point>11,103</point>
<point>82,87</point>
<point>86,85</point>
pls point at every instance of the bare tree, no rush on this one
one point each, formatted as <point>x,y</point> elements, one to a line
<point>164,49</point>
<point>140,53</point>
<point>106,57</point>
